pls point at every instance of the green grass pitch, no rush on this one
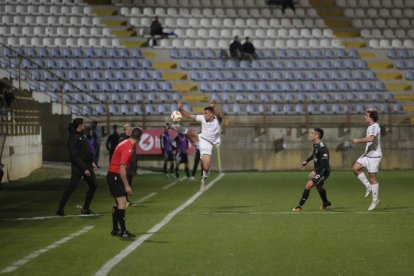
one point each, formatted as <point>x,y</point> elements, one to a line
<point>242,225</point>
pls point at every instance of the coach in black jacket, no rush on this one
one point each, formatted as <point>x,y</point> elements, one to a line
<point>82,164</point>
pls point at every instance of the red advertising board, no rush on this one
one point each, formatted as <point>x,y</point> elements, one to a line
<point>150,143</point>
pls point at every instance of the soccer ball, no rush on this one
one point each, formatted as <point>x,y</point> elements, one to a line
<point>176,116</point>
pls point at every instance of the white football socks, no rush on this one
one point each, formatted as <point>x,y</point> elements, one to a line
<point>205,174</point>
<point>364,180</point>
<point>375,188</point>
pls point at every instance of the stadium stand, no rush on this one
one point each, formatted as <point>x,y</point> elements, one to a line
<point>303,56</point>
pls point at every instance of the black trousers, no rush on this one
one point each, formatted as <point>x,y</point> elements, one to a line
<point>76,175</point>
<point>196,161</point>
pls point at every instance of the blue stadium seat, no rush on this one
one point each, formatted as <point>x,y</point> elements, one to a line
<point>136,53</point>
<point>150,109</point>
<point>131,87</point>
<point>195,75</point>
<point>313,109</point>
<point>85,75</point>
<point>166,86</point>
<point>397,108</point>
<point>156,86</point>
<point>240,86</point>
<point>137,109</point>
<point>186,54</point>
<point>276,109</point>
<point>409,75</point>
<point>135,64</point>
<point>73,75</point>
<point>146,64</point>
<point>143,87</point>
<point>265,75</point>
<point>219,75</point>
<point>116,97</point>
<point>208,76</point>
<point>205,87</point>
<point>210,54</point>
<point>128,98</point>
<point>198,54</point>
<point>106,87</point>
<point>175,54</point>
<point>228,87</point>
<point>230,75</point>
<point>119,87</point>
<point>240,98</point>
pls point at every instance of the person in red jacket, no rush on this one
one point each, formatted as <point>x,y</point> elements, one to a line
<point>118,181</point>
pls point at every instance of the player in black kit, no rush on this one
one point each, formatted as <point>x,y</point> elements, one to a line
<point>321,171</point>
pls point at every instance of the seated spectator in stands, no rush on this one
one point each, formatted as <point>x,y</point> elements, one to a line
<point>249,50</point>
<point>156,29</point>
<point>287,4</point>
<point>284,3</point>
<point>236,49</point>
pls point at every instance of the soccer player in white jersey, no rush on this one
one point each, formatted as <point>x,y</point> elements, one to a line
<point>208,137</point>
<point>371,157</point>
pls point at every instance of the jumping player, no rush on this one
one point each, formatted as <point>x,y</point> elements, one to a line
<point>371,157</point>
<point>118,181</point>
<point>209,136</point>
<point>321,170</point>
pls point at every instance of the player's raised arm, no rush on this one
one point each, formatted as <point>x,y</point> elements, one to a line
<point>217,111</point>
<point>185,113</point>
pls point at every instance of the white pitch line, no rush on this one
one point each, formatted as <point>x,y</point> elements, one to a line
<point>143,199</point>
<point>39,252</point>
<point>107,267</point>
<point>173,183</point>
<point>295,213</point>
<point>49,217</point>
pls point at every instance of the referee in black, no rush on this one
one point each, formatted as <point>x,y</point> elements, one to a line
<point>82,165</point>
<point>317,177</point>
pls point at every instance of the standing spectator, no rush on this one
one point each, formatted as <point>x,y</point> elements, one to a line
<point>118,181</point>
<point>97,133</point>
<point>236,49</point>
<point>371,158</point>
<point>167,152</point>
<point>248,50</point>
<point>91,142</point>
<point>112,142</point>
<point>182,144</point>
<point>82,165</point>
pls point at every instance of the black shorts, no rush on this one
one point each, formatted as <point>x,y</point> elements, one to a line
<point>181,158</point>
<point>115,185</point>
<point>168,156</point>
<point>321,180</point>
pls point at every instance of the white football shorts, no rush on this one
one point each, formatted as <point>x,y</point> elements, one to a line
<point>371,163</point>
<point>206,147</point>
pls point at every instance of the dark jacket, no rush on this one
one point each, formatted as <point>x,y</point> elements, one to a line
<point>248,47</point>
<point>235,46</point>
<point>156,28</point>
<point>78,147</point>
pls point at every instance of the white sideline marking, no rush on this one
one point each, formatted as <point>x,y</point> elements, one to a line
<point>49,217</point>
<point>39,252</point>
<point>295,213</point>
<point>173,183</point>
<point>107,267</point>
<point>142,199</point>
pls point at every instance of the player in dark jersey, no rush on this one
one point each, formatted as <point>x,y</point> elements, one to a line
<point>167,150</point>
<point>321,170</point>
<point>118,181</point>
<point>182,144</point>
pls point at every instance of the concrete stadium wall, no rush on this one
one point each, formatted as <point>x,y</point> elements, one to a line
<point>21,156</point>
<point>274,149</point>
<point>285,149</point>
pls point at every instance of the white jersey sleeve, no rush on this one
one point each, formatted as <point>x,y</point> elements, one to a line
<point>210,131</point>
<point>373,149</point>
